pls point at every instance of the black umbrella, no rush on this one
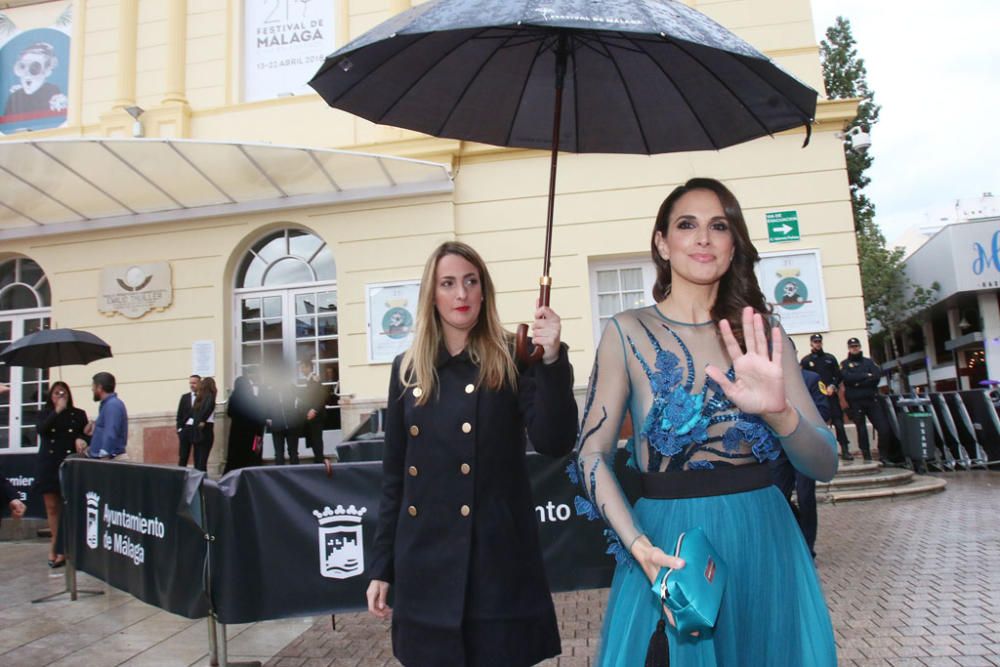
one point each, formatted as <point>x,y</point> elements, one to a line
<point>585,76</point>
<point>55,347</point>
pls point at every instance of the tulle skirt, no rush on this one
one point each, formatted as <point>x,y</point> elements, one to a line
<point>773,613</point>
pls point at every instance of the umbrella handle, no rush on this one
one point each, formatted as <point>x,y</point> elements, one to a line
<point>533,357</point>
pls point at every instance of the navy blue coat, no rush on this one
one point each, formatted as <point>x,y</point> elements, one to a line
<point>457,534</point>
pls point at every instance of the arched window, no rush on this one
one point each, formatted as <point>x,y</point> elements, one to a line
<point>286,304</point>
<point>23,285</point>
<point>25,302</point>
<point>287,257</point>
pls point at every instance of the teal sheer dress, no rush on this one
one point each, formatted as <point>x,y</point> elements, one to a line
<point>773,612</point>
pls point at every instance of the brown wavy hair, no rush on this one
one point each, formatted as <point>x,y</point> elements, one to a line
<point>489,344</point>
<point>738,287</point>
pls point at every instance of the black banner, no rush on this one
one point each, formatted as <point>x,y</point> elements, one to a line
<point>137,528</point>
<point>573,546</point>
<point>290,541</point>
<point>19,469</point>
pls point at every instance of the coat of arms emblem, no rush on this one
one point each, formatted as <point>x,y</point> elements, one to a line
<point>93,518</point>
<point>341,543</point>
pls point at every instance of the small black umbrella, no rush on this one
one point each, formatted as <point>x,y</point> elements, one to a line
<point>55,347</point>
<point>585,76</point>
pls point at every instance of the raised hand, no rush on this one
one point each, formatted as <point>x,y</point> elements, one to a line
<point>759,387</point>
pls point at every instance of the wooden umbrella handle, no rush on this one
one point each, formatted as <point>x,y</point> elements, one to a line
<point>533,357</point>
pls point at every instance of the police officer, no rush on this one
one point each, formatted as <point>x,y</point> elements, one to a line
<point>825,365</point>
<point>860,376</point>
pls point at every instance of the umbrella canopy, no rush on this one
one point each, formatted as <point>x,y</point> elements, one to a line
<point>642,76</point>
<point>585,76</point>
<point>55,347</point>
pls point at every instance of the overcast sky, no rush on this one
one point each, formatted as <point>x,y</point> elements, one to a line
<point>935,70</point>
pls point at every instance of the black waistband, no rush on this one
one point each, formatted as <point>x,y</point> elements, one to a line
<point>701,483</point>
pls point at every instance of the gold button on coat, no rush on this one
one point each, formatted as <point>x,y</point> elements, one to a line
<point>413,471</point>
<point>414,430</point>
<point>466,510</point>
<point>469,388</point>
<point>417,392</point>
<point>466,468</point>
<point>466,427</point>
<point>412,510</point>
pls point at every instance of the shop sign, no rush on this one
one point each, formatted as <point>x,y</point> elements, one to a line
<point>135,289</point>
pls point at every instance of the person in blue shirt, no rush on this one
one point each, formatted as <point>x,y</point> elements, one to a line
<point>109,434</point>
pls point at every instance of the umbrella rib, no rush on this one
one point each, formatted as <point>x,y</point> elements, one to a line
<point>424,75</point>
<point>628,93</point>
<point>726,86</point>
<point>372,71</point>
<point>471,81</point>
<point>520,97</point>
<point>684,97</point>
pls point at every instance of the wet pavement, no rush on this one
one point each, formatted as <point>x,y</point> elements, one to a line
<point>910,582</point>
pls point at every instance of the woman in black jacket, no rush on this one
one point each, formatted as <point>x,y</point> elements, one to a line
<point>457,537</point>
<point>60,426</point>
<point>203,429</point>
<point>246,423</point>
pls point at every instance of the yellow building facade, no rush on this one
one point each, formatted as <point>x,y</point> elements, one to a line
<point>202,181</point>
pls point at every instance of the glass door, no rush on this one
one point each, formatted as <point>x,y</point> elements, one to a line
<point>19,407</point>
<point>279,328</point>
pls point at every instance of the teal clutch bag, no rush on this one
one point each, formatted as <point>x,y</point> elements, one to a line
<point>693,593</point>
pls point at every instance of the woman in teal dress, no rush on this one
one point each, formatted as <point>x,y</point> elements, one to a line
<point>703,436</point>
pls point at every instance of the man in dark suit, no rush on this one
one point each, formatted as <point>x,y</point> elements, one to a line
<point>828,368</point>
<point>787,478</point>
<point>185,419</point>
<point>283,420</point>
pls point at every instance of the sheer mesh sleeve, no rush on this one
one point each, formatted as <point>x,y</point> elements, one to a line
<point>607,398</point>
<point>811,447</point>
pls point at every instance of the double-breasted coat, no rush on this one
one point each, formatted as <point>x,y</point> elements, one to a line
<point>57,434</point>
<point>457,535</point>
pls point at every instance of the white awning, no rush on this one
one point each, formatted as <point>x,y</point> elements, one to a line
<point>69,185</point>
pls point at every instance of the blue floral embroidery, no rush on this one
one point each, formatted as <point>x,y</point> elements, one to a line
<point>676,427</point>
<point>617,549</point>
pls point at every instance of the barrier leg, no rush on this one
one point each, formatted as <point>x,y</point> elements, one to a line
<point>213,643</point>
<point>71,588</point>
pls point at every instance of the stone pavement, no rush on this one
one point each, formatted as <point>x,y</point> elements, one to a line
<point>910,583</point>
<point>109,629</point>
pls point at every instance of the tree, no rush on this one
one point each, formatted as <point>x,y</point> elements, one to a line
<point>891,299</point>
<point>845,76</point>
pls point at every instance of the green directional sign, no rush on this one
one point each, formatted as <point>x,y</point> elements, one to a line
<point>782,226</point>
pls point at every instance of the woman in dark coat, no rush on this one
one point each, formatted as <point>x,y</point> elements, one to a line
<point>60,426</point>
<point>457,536</point>
<point>202,431</point>
<point>245,423</point>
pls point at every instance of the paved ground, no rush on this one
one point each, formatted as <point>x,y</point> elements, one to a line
<point>910,583</point>
<point>913,582</point>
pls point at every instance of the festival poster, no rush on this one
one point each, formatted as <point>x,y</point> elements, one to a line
<point>392,314</point>
<point>284,43</point>
<point>34,71</point>
<point>792,283</point>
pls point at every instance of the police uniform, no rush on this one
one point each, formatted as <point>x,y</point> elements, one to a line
<point>457,535</point>
<point>861,377</point>
<point>825,365</point>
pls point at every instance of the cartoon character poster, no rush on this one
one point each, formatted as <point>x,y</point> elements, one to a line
<point>792,283</point>
<point>34,73</point>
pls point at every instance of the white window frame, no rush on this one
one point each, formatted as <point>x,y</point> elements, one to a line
<point>638,262</point>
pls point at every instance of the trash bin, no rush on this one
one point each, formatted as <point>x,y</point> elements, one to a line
<point>917,434</point>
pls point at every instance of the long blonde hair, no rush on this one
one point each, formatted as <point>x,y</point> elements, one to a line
<point>489,344</point>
